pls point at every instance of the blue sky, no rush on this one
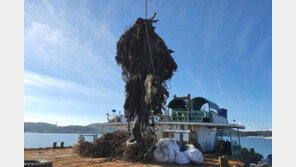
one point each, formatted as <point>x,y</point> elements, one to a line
<point>222,48</point>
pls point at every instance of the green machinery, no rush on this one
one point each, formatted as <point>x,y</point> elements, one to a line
<point>185,109</point>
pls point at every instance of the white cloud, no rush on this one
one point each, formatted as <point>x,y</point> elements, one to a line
<point>57,43</point>
<point>57,100</point>
<point>44,33</point>
<point>66,86</point>
<point>69,64</point>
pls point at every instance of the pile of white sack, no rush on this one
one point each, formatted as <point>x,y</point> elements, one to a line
<point>168,151</point>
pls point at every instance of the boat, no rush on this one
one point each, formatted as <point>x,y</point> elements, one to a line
<point>197,121</point>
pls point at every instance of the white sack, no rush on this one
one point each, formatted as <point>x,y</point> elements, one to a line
<point>181,159</point>
<point>194,155</point>
<point>166,150</point>
<point>164,154</point>
<point>169,142</point>
<point>188,146</point>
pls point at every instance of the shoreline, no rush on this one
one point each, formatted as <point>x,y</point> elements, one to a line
<point>45,148</point>
<point>265,137</point>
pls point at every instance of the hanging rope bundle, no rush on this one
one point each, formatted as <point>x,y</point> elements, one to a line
<point>146,64</point>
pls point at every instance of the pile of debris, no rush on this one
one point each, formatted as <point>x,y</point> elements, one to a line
<point>249,157</point>
<point>135,152</point>
<point>109,145</point>
<point>115,145</point>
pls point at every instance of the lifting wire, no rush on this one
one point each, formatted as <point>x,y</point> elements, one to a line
<point>146,10</point>
<point>146,4</point>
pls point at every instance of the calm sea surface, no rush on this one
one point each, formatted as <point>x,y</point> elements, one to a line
<point>37,140</point>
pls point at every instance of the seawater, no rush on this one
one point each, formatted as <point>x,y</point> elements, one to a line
<point>38,140</point>
<point>41,140</point>
<point>261,145</point>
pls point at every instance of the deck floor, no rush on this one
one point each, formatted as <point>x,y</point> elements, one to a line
<point>66,157</point>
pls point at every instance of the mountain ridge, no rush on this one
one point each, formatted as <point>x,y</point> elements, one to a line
<point>43,127</point>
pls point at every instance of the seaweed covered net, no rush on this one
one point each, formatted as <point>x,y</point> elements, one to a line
<point>146,64</point>
<point>117,145</point>
<point>108,145</point>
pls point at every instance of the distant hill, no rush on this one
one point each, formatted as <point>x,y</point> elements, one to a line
<point>42,127</point>
<point>262,133</point>
<point>39,127</point>
<point>265,133</point>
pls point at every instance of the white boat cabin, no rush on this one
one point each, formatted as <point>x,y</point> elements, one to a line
<point>196,121</point>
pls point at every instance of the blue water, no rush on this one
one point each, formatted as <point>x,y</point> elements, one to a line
<point>261,145</point>
<point>37,140</point>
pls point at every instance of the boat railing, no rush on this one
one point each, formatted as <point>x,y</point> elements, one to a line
<point>190,116</point>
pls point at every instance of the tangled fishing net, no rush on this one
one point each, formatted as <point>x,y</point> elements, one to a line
<point>109,145</point>
<point>146,66</point>
<point>117,145</point>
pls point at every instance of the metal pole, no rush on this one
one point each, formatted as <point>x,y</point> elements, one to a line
<point>231,141</point>
<point>238,134</point>
<point>188,116</point>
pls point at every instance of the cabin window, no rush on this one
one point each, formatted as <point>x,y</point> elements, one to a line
<point>177,136</point>
<point>185,136</point>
